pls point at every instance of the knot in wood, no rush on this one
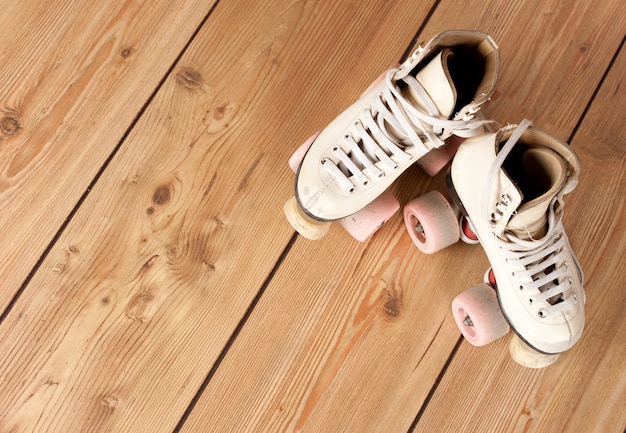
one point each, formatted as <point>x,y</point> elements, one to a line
<point>189,78</point>
<point>109,401</point>
<point>172,252</point>
<point>390,306</point>
<point>9,125</point>
<point>220,111</point>
<point>126,53</point>
<point>139,306</point>
<point>161,195</point>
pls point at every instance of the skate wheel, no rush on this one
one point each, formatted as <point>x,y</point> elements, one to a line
<point>436,159</point>
<point>298,155</point>
<point>525,355</point>
<point>305,225</point>
<point>467,232</point>
<point>431,222</point>
<point>478,316</point>
<point>364,223</point>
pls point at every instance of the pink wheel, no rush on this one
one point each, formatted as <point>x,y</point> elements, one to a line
<point>436,159</point>
<point>478,316</point>
<point>367,221</point>
<point>298,155</point>
<point>431,222</point>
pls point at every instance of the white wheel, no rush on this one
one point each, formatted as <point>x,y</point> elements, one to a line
<point>305,225</point>
<point>525,355</point>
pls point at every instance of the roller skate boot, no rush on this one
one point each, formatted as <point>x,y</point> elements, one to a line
<point>344,171</point>
<point>511,186</point>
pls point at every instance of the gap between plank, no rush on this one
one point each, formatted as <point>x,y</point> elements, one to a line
<point>411,47</point>
<point>102,169</point>
<point>597,89</point>
<point>235,334</point>
<point>433,389</point>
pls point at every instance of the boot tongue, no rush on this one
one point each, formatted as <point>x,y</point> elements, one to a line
<point>436,81</point>
<point>544,174</point>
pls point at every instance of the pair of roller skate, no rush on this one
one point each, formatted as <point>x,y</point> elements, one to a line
<point>506,189</point>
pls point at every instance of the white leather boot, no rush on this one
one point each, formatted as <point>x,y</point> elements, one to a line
<point>413,110</point>
<point>511,185</point>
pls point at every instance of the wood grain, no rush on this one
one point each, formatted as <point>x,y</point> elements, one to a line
<point>138,297</point>
<point>176,297</point>
<point>372,364</point>
<point>586,389</point>
<point>73,77</point>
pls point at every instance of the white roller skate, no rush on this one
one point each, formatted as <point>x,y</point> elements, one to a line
<point>511,184</point>
<point>343,172</point>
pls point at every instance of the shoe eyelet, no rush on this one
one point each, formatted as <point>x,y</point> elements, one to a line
<point>541,314</point>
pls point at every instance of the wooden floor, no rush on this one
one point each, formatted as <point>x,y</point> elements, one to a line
<point>150,283</point>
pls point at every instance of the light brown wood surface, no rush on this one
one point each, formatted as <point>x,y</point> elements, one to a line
<point>73,78</point>
<point>150,282</point>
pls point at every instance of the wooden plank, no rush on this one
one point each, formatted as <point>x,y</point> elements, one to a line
<point>136,300</point>
<point>552,55</point>
<point>73,76</point>
<point>586,389</point>
<point>343,339</point>
<point>363,332</point>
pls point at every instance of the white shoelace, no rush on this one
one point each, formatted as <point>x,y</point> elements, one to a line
<point>374,143</point>
<point>538,267</point>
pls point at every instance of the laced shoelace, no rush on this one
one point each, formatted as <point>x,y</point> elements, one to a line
<point>374,143</point>
<point>539,267</point>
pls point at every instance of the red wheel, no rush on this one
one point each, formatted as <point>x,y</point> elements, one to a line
<point>367,221</point>
<point>467,231</point>
<point>478,316</point>
<point>431,222</point>
<point>298,155</point>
